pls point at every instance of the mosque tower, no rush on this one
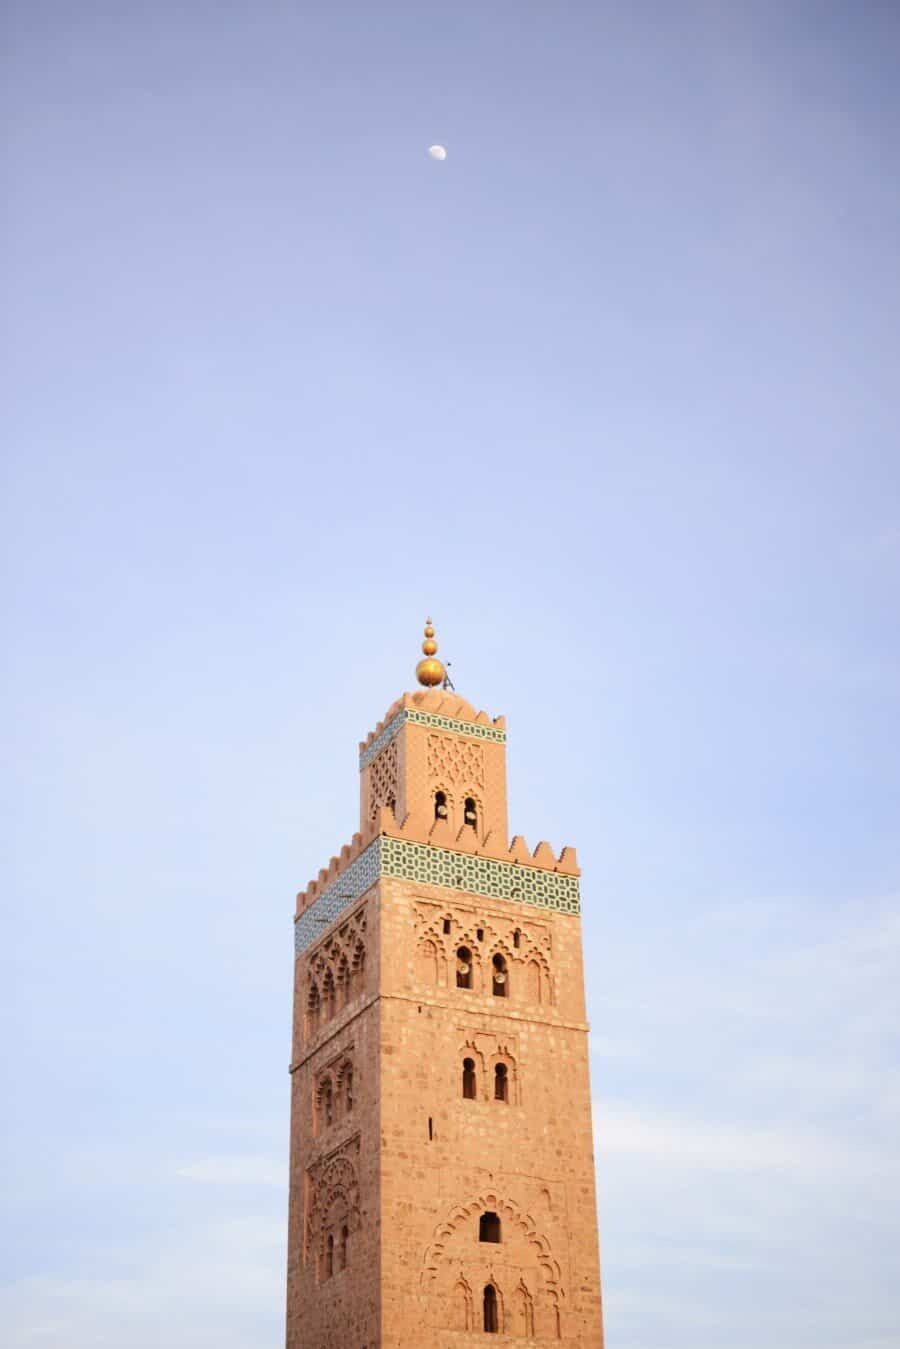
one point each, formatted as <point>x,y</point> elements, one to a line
<point>441,1171</point>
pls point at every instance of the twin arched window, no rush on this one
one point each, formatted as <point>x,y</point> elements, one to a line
<point>470,1081</point>
<point>470,809</point>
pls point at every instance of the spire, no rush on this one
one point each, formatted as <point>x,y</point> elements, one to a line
<point>430,671</point>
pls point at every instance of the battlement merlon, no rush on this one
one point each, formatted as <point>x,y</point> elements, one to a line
<point>436,761</point>
<point>386,825</point>
<point>431,703</point>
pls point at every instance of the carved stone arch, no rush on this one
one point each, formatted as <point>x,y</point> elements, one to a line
<point>538,986</point>
<point>329,993</point>
<point>342,978</point>
<point>324,1102</point>
<point>549,1316</point>
<point>358,967</point>
<point>431,959</point>
<point>498,950</point>
<point>313,1007</point>
<point>476,795</point>
<point>500,1326</point>
<point>504,1059</point>
<point>521,1312</point>
<point>461,1309</point>
<point>343,1079</point>
<point>499,946</point>
<point>468,1049</point>
<point>336,1195</point>
<point>467,941</point>
<point>470,1085</point>
<point>441,785</point>
<point>489,1201</point>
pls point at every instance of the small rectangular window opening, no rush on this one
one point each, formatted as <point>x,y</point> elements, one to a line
<point>430,1129</point>
<point>446,924</point>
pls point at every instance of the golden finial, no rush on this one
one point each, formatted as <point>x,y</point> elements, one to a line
<point>430,671</point>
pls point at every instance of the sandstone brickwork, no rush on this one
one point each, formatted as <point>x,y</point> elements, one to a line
<point>442,1179</point>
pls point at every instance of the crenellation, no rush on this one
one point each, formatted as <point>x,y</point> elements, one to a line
<point>442,1180</point>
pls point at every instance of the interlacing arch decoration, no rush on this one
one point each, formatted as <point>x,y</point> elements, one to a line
<point>313,1008</point>
<point>430,959</point>
<point>344,1086</point>
<point>336,972</point>
<point>343,982</point>
<point>511,1217</point>
<point>451,760</point>
<point>503,947</point>
<point>324,1103</point>
<point>522,1311</point>
<point>538,979</point>
<point>384,778</point>
<point>334,1204</point>
<point>333,1093</point>
<point>358,967</point>
<point>461,1313</point>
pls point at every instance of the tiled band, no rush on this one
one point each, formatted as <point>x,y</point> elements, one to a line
<point>402,860</point>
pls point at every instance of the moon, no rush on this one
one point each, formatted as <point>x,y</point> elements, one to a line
<point>437,152</point>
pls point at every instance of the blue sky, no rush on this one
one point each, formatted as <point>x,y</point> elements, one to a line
<point>612,392</point>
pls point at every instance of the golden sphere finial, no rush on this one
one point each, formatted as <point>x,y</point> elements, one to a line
<point>430,671</point>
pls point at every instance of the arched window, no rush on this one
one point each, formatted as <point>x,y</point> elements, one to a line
<point>517,938</point>
<point>491,1319</point>
<point>469,1083</point>
<point>464,967</point>
<point>533,977</point>
<point>470,812</point>
<point>489,1227</point>
<point>345,1236</point>
<point>500,980</point>
<point>348,1090</point>
<point>329,1257</point>
<point>440,805</point>
<point>326,1107</point>
<point>501,1082</point>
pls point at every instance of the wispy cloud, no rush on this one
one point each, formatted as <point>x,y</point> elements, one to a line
<point>233,1270</point>
<point>236,1171</point>
<point>679,1141</point>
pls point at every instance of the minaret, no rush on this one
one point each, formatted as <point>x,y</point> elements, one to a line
<point>441,1175</point>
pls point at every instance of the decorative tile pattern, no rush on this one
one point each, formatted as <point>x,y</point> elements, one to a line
<point>474,729</point>
<point>480,875</point>
<point>435,866</point>
<point>381,740</point>
<point>342,892</point>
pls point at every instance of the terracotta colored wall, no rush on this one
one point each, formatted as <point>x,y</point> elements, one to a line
<point>530,1160</point>
<point>411,1196</point>
<point>337,1162</point>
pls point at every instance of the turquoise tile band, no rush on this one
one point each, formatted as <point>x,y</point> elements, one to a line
<point>406,861</point>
